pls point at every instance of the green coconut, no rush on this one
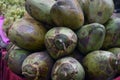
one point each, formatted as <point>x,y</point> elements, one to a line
<point>37,66</point>
<point>60,42</point>
<point>15,60</point>
<point>28,34</point>
<point>67,13</point>
<point>112,37</point>
<point>90,37</point>
<point>99,65</point>
<point>67,68</point>
<point>116,52</point>
<point>40,10</point>
<point>98,11</point>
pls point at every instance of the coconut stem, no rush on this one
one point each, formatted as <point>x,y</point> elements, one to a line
<point>59,43</point>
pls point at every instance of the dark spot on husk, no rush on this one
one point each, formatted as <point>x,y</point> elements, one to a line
<point>102,67</point>
<point>60,3</point>
<point>93,28</point>
<point>91,0</point>
<point>36,63</point>
<point>116,37</point>
<point>69,42</point>
<point>15,42</point>
<point>43,71</point>
<point>84,41</point>
<point>73,36</point>
<point>99,13</point>
<point>42,4</point>
<point>57,30</point>
<point>91,20</point>
<point>74,73</point>
<point>72,61</point>
<point>30,39</point>
<point>102,61</point>
<point>108,70</point>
